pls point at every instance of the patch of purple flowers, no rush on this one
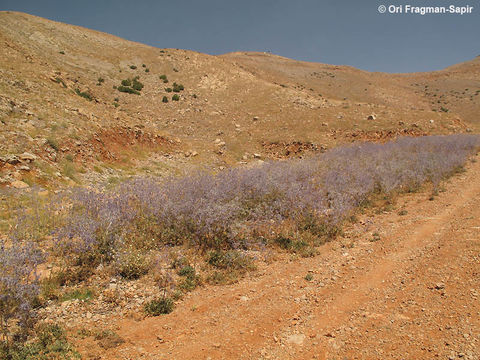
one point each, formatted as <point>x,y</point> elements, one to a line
<point>228,210</point>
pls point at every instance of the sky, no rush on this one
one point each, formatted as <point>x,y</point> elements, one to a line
<point>341,32</point>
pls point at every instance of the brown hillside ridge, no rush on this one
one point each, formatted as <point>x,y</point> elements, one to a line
<point>57,94</point>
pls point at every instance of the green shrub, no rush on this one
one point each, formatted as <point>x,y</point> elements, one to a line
<point>168,90</point>
<point>177,87</point>
<point>143,65</point>
<point>137,85</point>
<point>147,70</point>
<point>128,90</point>
<point>84,94</point>
<point>175,97</point>
<point>51,343</point>
<point>165,99</point>
<point>186,270</point>
<point>62,52</point>
<point>101,80</point>
<point>160,306</point>
<point>164,78</point>
<point>127,82</point>
<point>133,67</point>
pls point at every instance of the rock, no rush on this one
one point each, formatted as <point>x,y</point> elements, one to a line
<point>24,168</point>
<point>255,118</point>
<point>13,160</point>
<point>372,117</point>
<point>17,184</point>
<point>469,130</point>
<point>257,156</point>
<point>296,339</point>
<point>440,286</point>
<point>28,157</point>
<point>244,298</point>
<point>431,121</point>
<point>193,153</point>
<point>324,124</point>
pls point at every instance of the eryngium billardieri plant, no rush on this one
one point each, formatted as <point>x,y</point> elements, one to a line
<point>18,285</point>
<point>235,208</point>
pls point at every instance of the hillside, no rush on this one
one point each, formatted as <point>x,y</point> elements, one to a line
<point>58,103</point>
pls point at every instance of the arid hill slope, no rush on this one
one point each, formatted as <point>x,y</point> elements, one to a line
<point>232,107</point>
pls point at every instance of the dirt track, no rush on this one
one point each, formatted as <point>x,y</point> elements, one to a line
<point>413,294</point>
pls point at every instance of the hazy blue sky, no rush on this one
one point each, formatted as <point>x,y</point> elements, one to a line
<point>330,31</point>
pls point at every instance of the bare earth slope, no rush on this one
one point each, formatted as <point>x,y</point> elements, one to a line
<point>253,103</point>
<point>411,295</point>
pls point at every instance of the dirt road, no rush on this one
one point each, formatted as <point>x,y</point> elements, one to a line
<point>413,293</point>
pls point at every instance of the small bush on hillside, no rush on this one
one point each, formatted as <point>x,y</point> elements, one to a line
<point>147,70</point>
<point>128,90</point>
<point>133,67</point>
<point>175,97</point>
<point>177,87</point>
<point>51,343</point>
<point>168,90</point>
<point>131,264</point>
<point>137,85</point>
<point>159,306</point>
<point>165,99</point>
<point>127,82</point>
<point>164,78</point>
<point>84,94</point>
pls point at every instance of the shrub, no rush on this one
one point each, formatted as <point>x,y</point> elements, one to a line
<point>168,90</point>
<point>147,70</point>
<point>164,78</point>
<point>175,97</point>
<point>127,82</point>
<point>51,343</point>
<point>62,52</point>
<point>159,306</point>
<point>143,65</point>
<point>137,85</point>
<point>18,285</point>
<point>128,90</point>
<point>177,87</point>
<point>131,264</point>
<point>84,94</point>
<point>133,67</point>
<point>165,99</point>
